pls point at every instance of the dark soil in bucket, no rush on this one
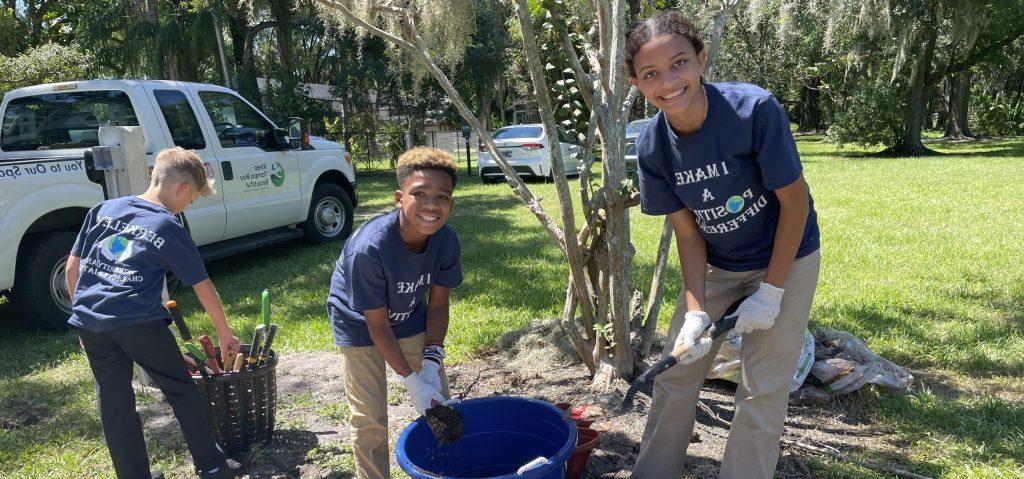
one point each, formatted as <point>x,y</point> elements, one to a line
<point>445,422</point>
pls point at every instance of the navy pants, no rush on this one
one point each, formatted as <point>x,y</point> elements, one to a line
<point>152,346</point>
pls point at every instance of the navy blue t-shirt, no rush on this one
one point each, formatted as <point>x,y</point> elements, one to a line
<point>726,173</point>
<point>126,246</point>
<point>376,269</point>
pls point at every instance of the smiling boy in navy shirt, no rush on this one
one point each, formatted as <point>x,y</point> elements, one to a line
<point>116,276</point>
<point>379,305</point>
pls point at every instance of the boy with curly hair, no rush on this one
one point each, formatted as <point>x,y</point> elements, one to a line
<point>388,302</point>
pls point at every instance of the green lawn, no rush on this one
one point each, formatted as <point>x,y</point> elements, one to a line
<point>921,258</point>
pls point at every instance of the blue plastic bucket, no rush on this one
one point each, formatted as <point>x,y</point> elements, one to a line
<point>500,435</point>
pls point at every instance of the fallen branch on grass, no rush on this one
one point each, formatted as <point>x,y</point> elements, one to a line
<point>827,451</point>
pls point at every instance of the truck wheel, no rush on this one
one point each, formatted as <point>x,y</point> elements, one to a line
<point>330,215</point>
<point>40,291</point>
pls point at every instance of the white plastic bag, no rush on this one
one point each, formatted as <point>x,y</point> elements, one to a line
<point>727,363</point>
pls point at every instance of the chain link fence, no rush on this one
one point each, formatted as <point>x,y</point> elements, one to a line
<point>378,150</point>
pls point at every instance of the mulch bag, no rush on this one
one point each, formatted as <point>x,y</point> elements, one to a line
<point>843,364</point>
<point>831,362</point>
<point>727,363</point>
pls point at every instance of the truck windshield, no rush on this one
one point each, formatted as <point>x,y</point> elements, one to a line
<point>63,120</point>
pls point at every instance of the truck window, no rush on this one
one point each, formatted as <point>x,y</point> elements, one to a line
<point>237,123</point>
<point>63,120</point>
<point>181,120</point>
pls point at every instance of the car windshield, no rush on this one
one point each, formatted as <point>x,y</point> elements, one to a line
<point>636,127</point>
<point>63,120</point>
<point>518,132</point>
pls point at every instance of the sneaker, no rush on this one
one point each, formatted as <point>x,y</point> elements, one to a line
<point>230,469</point>
<point>156,474</point>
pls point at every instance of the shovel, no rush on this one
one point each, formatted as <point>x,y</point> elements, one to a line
<point>715,329</point>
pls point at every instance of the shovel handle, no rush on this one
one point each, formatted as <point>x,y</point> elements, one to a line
<point>179,321</point>
<point>716,329</point>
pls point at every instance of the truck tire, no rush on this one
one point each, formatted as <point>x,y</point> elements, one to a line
<point>330,215</point>
<point>40,291</point>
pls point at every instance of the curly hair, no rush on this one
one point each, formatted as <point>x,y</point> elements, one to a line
<point>425,158</point>
<point>665,22</point>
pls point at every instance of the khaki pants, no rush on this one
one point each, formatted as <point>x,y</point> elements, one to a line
<point>762,398</point>
<point>367,390</point>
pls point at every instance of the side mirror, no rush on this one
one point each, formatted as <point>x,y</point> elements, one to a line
<point>298,133</point>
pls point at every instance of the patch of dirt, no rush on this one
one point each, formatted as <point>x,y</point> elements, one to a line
<point>312,438</point>
<point>23,412</point>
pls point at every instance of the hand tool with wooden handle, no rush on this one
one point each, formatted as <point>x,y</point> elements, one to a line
<point>211,353</point>
<point>239,362</point>
<point>229,362</point>
<point>254,349</point>
<point>715,329</point>
<point>186,335</point>
<point>265,351</point>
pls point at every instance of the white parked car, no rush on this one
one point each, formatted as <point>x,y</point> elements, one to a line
<point>525,148</point>
<point>271,187</point>
<point>633,130</point>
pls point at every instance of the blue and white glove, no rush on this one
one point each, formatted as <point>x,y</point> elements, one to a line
<point>421,394</point>
<point>760,309</point>
<point>697,344</point>
<point>433,358</point>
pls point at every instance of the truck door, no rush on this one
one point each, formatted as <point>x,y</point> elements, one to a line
<point>181,127</point>
<point>261,183</point>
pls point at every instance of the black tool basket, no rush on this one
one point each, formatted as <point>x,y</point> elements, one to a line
<point>240,406</point>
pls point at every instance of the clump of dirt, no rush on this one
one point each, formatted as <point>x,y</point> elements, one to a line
<point>445,422</point>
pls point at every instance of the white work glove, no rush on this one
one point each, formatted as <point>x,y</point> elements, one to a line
<point>760,309</point>
<point>697,344</point>
<point>421,394</point>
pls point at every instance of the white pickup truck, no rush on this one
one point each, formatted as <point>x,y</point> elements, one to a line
<point>270,187</point>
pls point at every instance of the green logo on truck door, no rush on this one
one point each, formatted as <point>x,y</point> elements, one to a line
<point>277,174</point>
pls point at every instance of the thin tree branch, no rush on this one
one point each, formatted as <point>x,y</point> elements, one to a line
<point>422,54</point>
<point>657,287</point>
<point>572,250</point>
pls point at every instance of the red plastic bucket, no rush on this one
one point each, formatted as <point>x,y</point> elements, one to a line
<point>586,439</point>
<point>576,412</point>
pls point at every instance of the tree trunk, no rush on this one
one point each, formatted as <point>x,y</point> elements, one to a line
<point>502,93</point>
<point>957,95</point>
<point>248,85</point>
<point>152,12</point>
<point>717,32</point>
<point>810,106</point>
<point>284,13</point>
<point>485,110</point>
<point>909,143</point>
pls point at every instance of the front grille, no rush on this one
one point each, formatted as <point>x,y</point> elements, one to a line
<point>494,170</point>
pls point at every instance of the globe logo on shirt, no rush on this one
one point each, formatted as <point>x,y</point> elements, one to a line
<point>116,248</point>
<point>734,204</point>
